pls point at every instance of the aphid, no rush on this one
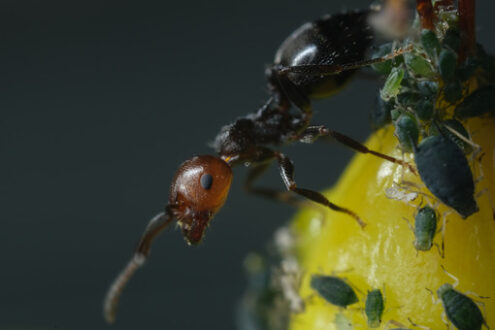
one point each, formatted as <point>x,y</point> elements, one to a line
<point>447,64</point>
<point>445,171</point>
<point>430,43</point>
<point>407,131</point>
<point>460,309</point>
<point>380,114</point>
<point>334,290</point>
<point>425,227</point>
<point>315,61</point>
<point>374,308</point>
<point>418,65</point>
<point>392,85</point>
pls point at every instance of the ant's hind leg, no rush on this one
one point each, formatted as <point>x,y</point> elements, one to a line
<point>312,133</point>
<point>332,69</point>
<point>287,172</point>
<point>155,226</point>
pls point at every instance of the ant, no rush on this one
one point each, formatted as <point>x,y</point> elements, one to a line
<point>315,61</point>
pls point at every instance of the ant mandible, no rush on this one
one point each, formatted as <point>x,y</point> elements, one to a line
<point>315,61</point>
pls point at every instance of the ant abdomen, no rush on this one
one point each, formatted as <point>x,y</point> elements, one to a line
<point>331,40</point>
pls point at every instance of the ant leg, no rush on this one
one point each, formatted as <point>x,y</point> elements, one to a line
<point>293,92</point>
<point>467,28</point>
<point>310,134</point>
<point>332,69</point>
<point>282,196</point>
<point>286,168</point>
<point>426,14</point>
<point>155,226</point>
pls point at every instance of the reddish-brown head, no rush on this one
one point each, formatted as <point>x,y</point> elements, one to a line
<point>198,191</point>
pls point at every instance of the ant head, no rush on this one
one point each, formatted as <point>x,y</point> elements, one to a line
<point>198,191</point>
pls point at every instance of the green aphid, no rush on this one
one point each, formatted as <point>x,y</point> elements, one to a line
<point>334,290</point>
<point>452,39</point>
<point>424,109</point>
<point>430,43</point>
<point>460,309</point>
<point>374,308</point>
<point>447,64</point>
<point>380,114</point>
<point>408,98</point>
<point>428,88</point>
<point>459,129</point>
<point>407,131</point>
<point>419,65</point>
<point>425,227</point>
<point>392,85</point>
<point>480,102</point>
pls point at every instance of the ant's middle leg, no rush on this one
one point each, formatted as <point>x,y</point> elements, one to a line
<point>312,133</point>
<point>286,168</point>
<point>282,196</point>
<point>263,158</point>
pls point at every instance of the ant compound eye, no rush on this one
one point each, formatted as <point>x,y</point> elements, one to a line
<point>206,181</point>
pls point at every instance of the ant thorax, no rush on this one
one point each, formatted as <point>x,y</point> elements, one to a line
<point>269,126</point>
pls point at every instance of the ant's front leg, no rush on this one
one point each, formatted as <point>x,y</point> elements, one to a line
<point>312,133</point>
<point>155,226</point>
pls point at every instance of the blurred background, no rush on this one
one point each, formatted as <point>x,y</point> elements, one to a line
<point>100,103</point>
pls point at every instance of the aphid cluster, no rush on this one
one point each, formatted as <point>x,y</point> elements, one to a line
<point>426,92</point>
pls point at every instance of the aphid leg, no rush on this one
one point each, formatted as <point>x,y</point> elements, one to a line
<point>312,133</point>
<point>155,226</point>
<point>332,69</point>
<point>444,319</point>
<point>444,228</point>
<point>395,324</point>
<point>287,173</point>
<point>417,325</point>
<point>408,224</point>
<point>456,280</point>
<point>433,300</point>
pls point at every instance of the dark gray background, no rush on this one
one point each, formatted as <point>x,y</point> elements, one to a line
<point>100,102</point>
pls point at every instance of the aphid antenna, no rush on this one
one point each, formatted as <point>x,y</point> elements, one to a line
<point>456,280</point>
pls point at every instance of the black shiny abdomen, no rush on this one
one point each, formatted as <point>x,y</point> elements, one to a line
<point>336,39</point>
